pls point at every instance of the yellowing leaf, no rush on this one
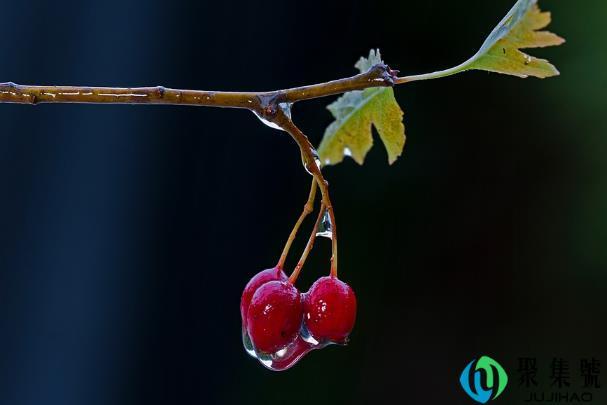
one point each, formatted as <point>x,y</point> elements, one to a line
<point>501,50</point>
<point>518,30</point>
<point>355,113</point>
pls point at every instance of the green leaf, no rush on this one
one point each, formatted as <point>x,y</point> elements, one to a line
<point>518,30</point>
<point>355,113</point>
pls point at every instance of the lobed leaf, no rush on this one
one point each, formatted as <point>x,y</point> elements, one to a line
<point>356,113</point>
<point>518,30</point>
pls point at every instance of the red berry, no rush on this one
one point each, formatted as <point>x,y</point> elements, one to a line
<point>274,316</point>
<point>257,281</point>
<point>330,310</point>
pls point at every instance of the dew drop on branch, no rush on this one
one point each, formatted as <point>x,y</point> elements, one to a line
<point>267,122</point>
<point>316,159</point>
<point>285,107</point>
<point>325,228</point>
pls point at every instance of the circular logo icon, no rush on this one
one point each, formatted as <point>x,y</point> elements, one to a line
<point>483,379</point>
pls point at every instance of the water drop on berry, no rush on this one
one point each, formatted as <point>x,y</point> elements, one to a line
<point>246,342</point>
<point>325,228</point>
<point>289,355</point>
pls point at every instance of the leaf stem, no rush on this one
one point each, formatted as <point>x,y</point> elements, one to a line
<point>307,209</point>
<point>309,246</point>
<point>434,75</point>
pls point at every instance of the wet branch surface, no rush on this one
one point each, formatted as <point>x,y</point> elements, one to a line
<point>378,76</point>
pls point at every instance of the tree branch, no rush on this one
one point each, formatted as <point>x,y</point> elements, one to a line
<point>378,76</point>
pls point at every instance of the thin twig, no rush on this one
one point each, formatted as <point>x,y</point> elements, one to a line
<point>302,260</point>
<point>307,209</point>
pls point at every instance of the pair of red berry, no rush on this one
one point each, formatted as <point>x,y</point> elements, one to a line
<point>275,314</point>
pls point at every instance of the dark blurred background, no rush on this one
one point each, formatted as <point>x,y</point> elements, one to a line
<point>128,232</point>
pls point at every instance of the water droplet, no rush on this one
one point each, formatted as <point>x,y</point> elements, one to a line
<point>325,228</point>
<point>527,59</point>
<point>246,342</point>
<point>285,108</point>
<point>316,159</point>
<point>307,336</point>
<point>289,355</point>
<point>281,352</point>
<point>267,122</point>
<point>347,151</point>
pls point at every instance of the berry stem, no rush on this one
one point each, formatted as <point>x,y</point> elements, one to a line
<point>309,157</point>
<point>309,246</point>
<point>307,209</point>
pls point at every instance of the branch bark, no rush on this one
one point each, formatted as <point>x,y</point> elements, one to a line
<point>378,76</point>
